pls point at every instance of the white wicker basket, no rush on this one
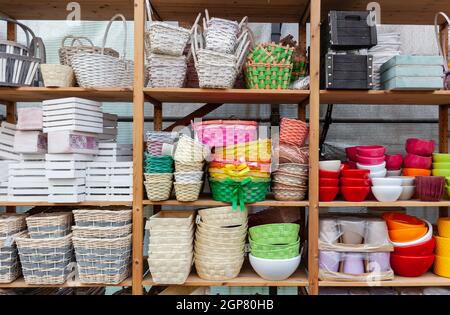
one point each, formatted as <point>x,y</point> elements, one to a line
<point>190,150</point>
<point>158,190</point>
<point>9,259</point>
<point>164,38</point>
<point>188,166</point>
<point>166,71</point>
<point>100,70</point>
<point>57,75</point>
<point>188,177</point>
<point>158,177</point>
<point>171,220</point>
<point>220,34</point>
<point>217,271</point>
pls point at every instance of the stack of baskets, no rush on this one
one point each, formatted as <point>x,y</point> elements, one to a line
<point>165,45</point>
<point>11,226</point>
<point>189,158</point>
<point>269,66</point>
<point>46,250</point>
<point>219,243</point>
<point>170,253</point>
<point>102,242</point>
<point>220,56</point>
<point>158,170</point>
<point>291,176</point>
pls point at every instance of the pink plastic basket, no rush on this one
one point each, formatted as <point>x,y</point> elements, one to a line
<point>220,133</point>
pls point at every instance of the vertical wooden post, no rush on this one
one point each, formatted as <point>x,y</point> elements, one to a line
<point>138,131</point>
<point>443,143</point>
<point>314,117</point>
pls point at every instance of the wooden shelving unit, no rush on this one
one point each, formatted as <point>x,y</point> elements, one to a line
<point>299,11</point>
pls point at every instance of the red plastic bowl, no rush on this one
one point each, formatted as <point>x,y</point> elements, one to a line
<point>328,194</point>
<point>352,164</point>
<point>328,182</point>
<point>328,174</point>
<point>351,153</point>
<point>355,173</point>
<point>355,194</point>
<point>411,266</point>
<point>375,151</point>
<point>417,161</point>
<point>424,249</point>
<point>393,162</point>
<point>370,160</point>
<point>355,182</point>
<point>420,147</point>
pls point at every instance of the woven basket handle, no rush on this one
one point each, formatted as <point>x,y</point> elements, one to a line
<point>243,22</point>
<point>207,15</point>
<point>195,45</point>
<point>148,10</point>
<point>115,17</point>
<point>196,22</point>
<point>37,45</point>
<point>76,39</point>
<point>242,48</point>
<point>436,28</point>
<point>25,28</point>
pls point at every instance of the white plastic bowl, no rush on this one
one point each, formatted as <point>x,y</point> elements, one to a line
<point>421,240</point>
<point>332,166</point>
<point>407,192</point>
<point>274,269</point>
<point>372,168</point>
<point>379,174</point>
<point>406,180</point>
<point>387,181</point>
<point>394,173</point>
<point>387,193</point>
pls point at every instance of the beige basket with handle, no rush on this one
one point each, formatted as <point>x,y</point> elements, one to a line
<point>57,75</point>
<point>189,150</point>
<point>78,45</point>
<point>100,70</point>
<point>188,192</point>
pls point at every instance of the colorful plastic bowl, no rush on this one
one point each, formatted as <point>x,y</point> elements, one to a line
<point>355,194</point>
<point>379,174</point>
<point>416,172</point>
<point>443,246</point>
<point>375,151</point>
<point>332,166</point>
<point>370,160</point>
<point>328,182</point>
<point>328,174</point>
<point>355,173</point>
<point>422,249</point>
<point>351,153</point>
<point>411,266</point>
<point>407,235</point>
<point>407,192</point>
<point>423,239</point>
<point>395,221</point>
<point>441,157</point>
<point>406,180</point>
<point>442,266</point>
<point>394,162</point>
<point>372,168</point>
<point>444,227</point>
<point>441,166</point>
<point>394,173</point>
<point>420,147</point>
<point>417,161</point>
<point>439,172</point>
<point>328,194</point>
<point>355,182</point>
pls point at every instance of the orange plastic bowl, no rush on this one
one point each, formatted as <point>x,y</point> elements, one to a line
<point>416,172</point>
<point>397,221</point>
<point>407,235</point>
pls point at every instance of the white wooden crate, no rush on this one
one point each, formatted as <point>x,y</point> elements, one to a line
<point>7,132</point>
<point>113,152</point>
<point>29,118</point>
<point>4,190</point>
<point>30,142</point>
<point>32,157</point>
<point>58,111</point>
<point>67,190</point>
<point>61,166</point>
<point>67,157</point>
<point>109,193</point>
<point>28,182</point>
<point>71,101</point>
<point>75,198</point>
<point>74,117</point>
<point>27,198</point>
<point>112,172</point>
<point>73,125</point>
<point>49,109</point>
<point>72,142</point>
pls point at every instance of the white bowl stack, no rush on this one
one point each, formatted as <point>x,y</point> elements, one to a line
<point>408,187</point>
<point>170,252</point>
<point>387,189</point>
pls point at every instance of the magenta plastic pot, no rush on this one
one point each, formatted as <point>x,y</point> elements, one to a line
<point>420,147</point>
<point>417,161</point>
<point>374,151</point>
<point>364,160</point>
<point>351,153</point>
<point>393,162</point>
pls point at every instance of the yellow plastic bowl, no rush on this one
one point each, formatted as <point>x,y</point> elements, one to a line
<point>442,266</point>
<point>444,227</point>
<point>443,246</point>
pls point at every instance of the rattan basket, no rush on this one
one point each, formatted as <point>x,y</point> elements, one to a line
<point>223,216</point>
<point>57,75</point>
<point>49,225</point>
<point>158,177</point>
<point>293,132</point>
<point>166,71</point>
<point>189,150</point>
<point>102,218</point>
<point>171,220</point>
<point>188,166</point>
<point>188,192</point>
<point>9,259</point>
<point>170,271</point>
<point>299,169</point>
<point>188,177</point>
<point>235,231</point>
<point>289,194</point>
<point>207,248</point>
<point>290,178</point>
<point>101,232</point>
<point>11,223</point>
<point>158,190</point>
<point>184,255</point>
<point>217,271</point>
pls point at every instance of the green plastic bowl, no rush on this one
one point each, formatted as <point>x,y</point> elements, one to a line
<point>437,172</point>
<point>274,234</point>
<point>441,166</point>
<point>441,158</point>
<point>275,252</point>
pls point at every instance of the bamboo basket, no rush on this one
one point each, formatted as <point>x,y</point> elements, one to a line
<point>57,75</point>
<point>223,216</point>
<point>11,223</point>
<point>101,232</point>
<point>49,225</point>
<point>9,259</point>
<point>188,192</point>
<point>102,218</point>
<point>158,190</point>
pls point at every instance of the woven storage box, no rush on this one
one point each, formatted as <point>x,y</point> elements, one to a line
<point>166,71</point>
<point>216,271</point>
<point>293,132</point>
<point>188,166</point>
<point>210,237</point>
<point>220,133</point>
<point>156,140</point>
<point>181,233</point>
<point>188,177</point>
<point>103,260</point>
<point>11,223</point>
<point>100,70</point>
<point>77,45</point>
<point>223,216</point>
<point>239,192</point>
<point>170,271</point>
<point>45,261</point>
<point>49,225</point>
<point>189,150</point>
<point>188,192</point>
<point>9,259</point>
<point>102,218</point>
<point>158,177</point>
<point>101,232</point>
<point>278,233</point>
<point>158,190</point>
<point>170,220</point>
<point>57,75</point>
<point>210,247</point>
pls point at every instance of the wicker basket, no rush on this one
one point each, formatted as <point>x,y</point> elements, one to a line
<point>179,247</point>
<point>293,168</point>
<point>45,261</point>
<point>171,220</point>
<point>293,131</point>
<point>188,166</point>
<point>220,34</point>
<point>235,231</point>
<point>57,75</point>
<point>221,133</point>
<point>49,225</point>
<point>158,164</point>
<point>222,250</point>
<point>293,154</point>
<point>100,70</point>
<point>290,178</point>
<point>9,259</point>
<point>11,223</point>
<point>210,237</point>
<point>217,271</point>
<point>183,255</point>
<point>103,260</point>
<point>186,233</point>
<point>188,192</point>
<point>101,232</point>
<point>223,216</point>
<point>289,194</point>
<point>66,53</point>
<point>158,177</point>
<point>254,151</point>
<point>189,150</point>
<point>166,71</point>
<point>158,190</point>
<point>170,271</point>
<point>102,218</point>
<point>164,38</point>
<point>188,177</point>
<point>215,69</point>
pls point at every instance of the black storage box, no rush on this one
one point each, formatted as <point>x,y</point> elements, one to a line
<point>347,72</point>
<point>347,30</point>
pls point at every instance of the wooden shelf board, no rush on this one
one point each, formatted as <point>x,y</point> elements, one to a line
<point>237,96</point>
<point>408,203</point>
<point>379,97</point>
<point>247,278</point>
<point>427,280</point>
<point>35,94</point>
<point>84,203</point>
<point>206,200</point>
<point>20,283</point>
